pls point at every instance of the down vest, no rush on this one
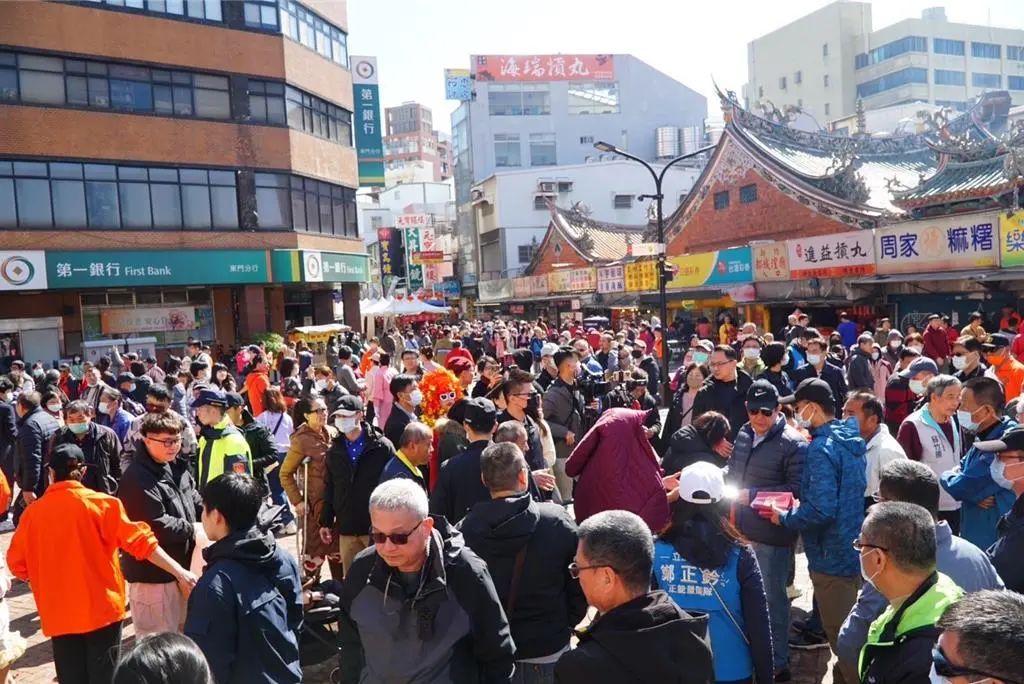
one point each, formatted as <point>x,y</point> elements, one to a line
<point>776,464</point>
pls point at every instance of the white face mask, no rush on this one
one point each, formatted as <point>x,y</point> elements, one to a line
<point>917,347</point>
<point>875,356</point>
<point>347,424</point>
<point>785,359</point>
<point>960,362</point>
<point>321,385</point>
<point>804,422</point>
<point>967,423</point>
<point>917,387</point>
<point>416,397</point>
<point>814,359</point>
<point>751,353</point>
<point>54,407</point>
<point>895,344</point>
<point>104,408</point>
<point>868,578</point>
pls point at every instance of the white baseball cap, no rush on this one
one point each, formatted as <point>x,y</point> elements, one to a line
<point>702,483</point>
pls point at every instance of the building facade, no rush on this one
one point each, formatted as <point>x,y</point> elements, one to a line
<point>174,169</point>
<point>927,59</point>
<point>410,142</point>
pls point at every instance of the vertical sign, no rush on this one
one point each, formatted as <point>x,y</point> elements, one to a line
<point>414,272</point>
<point>368,123</point>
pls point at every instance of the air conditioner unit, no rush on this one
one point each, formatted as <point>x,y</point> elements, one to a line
<point>547,186</point>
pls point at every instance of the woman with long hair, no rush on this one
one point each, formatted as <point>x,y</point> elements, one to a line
<point>706,566</point>
<point>257,381</point>
<point>705,439</point>
<point>280,426</point>
<point>680,411</point>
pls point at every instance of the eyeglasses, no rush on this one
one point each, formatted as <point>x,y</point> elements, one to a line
<point>766,412</point>
<point>858,544</point>
<point>447,396</point>
<point>399,538</point>
<point>946,669</point>
<point>575,569</point>
<point>168,443</point>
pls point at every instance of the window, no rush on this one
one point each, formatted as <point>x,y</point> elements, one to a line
<point>506,149</point>
<point>945,46</point>
<point>890,50</point>
<point>207,10</point>
<point>306,27</point>
<point>540,202</point>
<point>892,80</point>
<point>825,80</point>
<point>261,15</point>
<point>519,99</point>
<point>798,77</point>
<point>542,149</point>
<point>112,85</point>
<point>760,91</point>
<point>1015,53</point>
<point>986,50</point>
<point>953,78</point>
<point>622,202</point>
<point>564,186</point>
<point>722,199</point>
<point>599,97</point>
<point>526,253</point>
<point>586,140</point>
<point>316,207</point>
<point>986,80</point>
<point>782,83</point>
<point>266,102</point>
<point>748,194</point>
<point>1015,82</point>
<point>824,49</point>
<point>318,117</point>
<point>76,195</point>
<point>828,109</point>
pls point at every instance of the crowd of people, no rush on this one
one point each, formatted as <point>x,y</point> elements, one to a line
<point>508,501</point>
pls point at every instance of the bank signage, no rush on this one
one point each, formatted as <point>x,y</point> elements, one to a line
<point>134,269</point>
<point>22,270</point>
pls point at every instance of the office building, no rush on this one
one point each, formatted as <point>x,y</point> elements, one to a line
<point>174,169</point>
<point>411,145</point>
<point>828,59</point>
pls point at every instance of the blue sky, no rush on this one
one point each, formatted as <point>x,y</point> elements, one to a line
<point>415,40</point>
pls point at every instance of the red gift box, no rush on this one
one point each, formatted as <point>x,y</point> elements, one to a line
<point>764,502</point>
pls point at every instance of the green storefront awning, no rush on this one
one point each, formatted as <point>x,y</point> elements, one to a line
<point>306,266</point>
<point>137,268</point>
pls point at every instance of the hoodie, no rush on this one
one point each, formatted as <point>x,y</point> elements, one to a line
<point>648,639</point>
<point>246,610</point>
<point>548,602</point>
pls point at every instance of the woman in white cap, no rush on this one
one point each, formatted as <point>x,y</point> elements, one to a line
<point>705,565</point>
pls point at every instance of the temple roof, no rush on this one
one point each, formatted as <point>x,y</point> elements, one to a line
<point>594,241</point>
<point>960,180</point>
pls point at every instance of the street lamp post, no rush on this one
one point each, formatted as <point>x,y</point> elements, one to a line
<point>658,197</point>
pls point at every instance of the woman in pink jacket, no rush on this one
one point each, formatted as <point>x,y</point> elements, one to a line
<point>618,470</point>
<point>379,388</point>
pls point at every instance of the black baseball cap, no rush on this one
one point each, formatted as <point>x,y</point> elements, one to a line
<point>762,395</point>
<point>481,414</point>
<point>814,390</point>
<point>997,341</point>
<point>1012,440</point>
<point>211,397</point>
<point>349,405</point>
<point>66,457</point>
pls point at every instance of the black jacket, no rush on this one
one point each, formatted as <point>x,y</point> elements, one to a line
<point>35,430</point>
<point>458,484</point>
<point>347,495</point>
<point>548,602</point>
<point>449,628</point>
<point>650,366</point>
<point>165,497</point>
<point>261,445</point>
<point>246,610</point>
<point>779,381</point>
<point>8,433</point>
<point>728,398</point>
<point>859,371</point>
<point>102,451</point>
<point>688,447</point>
<point>1009,548</point>
<point>395,425</point>
<point>648,639</point>
<point>832,375</point>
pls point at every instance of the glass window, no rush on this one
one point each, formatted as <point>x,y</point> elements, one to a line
<point>298,209</point>
<point>78,90</point>
<point>213,104</point>
<point>44,87</point>
<point>33,195</point>
<point>272,203</point>
<point>986,50</point>
<point>8,83</point>
<point>892,80</point>
<point>65,170</point>
<point>30,169</point>
<point>8,215</point>
<point>622,201</point>
<point>986,80</point>
<point>722,199</point>
<point>101,203</point>
<point>506,149</point>
<point>748,194</point>
<point>1015,53</point>
<point>945,46</point>
<point>68,203</point>
<point>195,200</point>
<point>312,210</point>
<point>890,50</point>
<point>99,92</point>
<point>163,100</point>
<point>594,98</point>
<point>1015,82</point>
<point>224,207</point>
<point>946,77</point>
<point>542,149</point>
<point>166,201</point>
<point>135,208</point>
<point>133,96</point>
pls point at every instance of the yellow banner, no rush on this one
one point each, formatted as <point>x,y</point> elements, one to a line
<point>642,276</point>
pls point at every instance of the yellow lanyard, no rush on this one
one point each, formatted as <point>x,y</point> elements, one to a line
<point>408,464</point>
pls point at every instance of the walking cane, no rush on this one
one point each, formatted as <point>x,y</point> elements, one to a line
<point>300,538</point>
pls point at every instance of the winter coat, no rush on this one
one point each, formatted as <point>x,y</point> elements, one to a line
<point>245,612</point>
<point>395,425</point>
<point>262,448</point>
<point>563,410</point>
<point>648,639</point>
<point>348,486</point>
<point>728,398</point>
<point>881,371</point>
<point>102,452</point>
<point>650,366</point>
<point>617,468</point>
<point>687,447</point>
<point>1009,548</point>
<point>859,375</point>
<point>780,381</point>
<point>831,499</point>
<point>31,452</point>
<point>899,402</point>
<point>832,375</point>
<point>776,464</point>
<point>164,496</point>
<point>548,602</point>
<point>451,630</point>
<point>936,343</point>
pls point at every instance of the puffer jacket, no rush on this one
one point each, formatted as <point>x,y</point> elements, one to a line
<point>776,464</point>
<point>831,507</point>
<point>858,374</point>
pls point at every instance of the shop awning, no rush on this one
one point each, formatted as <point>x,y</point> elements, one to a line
<point>1006,274</point>
<point>926,277</point>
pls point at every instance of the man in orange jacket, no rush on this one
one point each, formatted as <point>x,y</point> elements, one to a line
<point>1007,369</point>
<point>66,547</point>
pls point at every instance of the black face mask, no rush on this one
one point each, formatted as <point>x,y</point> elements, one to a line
<point>638,355</point>
<point>532,408</point>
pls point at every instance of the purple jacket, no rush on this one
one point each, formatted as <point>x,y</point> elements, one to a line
<point>618,470</point>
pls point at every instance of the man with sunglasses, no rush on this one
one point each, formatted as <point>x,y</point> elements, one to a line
<point>982,640</point>
<point>158,489</point>
<point>897,550</point>
<point>419,606</point>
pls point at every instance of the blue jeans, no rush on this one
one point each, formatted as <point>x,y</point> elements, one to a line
<point>277,491</point>
<point>533,673</point>
<point>775,562</point>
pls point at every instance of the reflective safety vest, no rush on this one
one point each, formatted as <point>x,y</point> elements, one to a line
<point>222,449</point>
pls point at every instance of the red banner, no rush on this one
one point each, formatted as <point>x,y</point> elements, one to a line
<point>545,68</point>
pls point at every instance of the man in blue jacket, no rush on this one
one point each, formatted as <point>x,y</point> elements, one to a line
<point>246,610</point>
<point>831,509</point>
<point>984,499</point>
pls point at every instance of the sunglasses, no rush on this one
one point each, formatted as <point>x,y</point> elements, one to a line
<point>766,412</point>
<point>398,538</point>
<point>575,569</point>
<point>946,669</point>
<point>447,396</point>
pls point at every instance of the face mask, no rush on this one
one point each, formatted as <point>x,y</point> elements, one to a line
<point>998,472</point>
<point>321,385</point>
<point>804,422</point>
<point>347,424</point>
<point>54,407</point>
<point>964,418</point>
<point>416,398</point>
<point>104,408</point>
<point>751,353</point>
<point>638,354</point>
<point>78,428</point>
<point>935,678</point>
<point>129,389</point>
<point>814,359</point>
<point>875,356</point>
<point>993,360</point>
<point>894,345</point>
<point>868,578</point>
<point>700,358</point>
<point>917,347</point>
<point>917,387</point>
<point>959,362</point>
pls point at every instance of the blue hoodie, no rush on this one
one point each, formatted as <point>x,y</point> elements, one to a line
<point>832,499</point>
<point>973,483</point>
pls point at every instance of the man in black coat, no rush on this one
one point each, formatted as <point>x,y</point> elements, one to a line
<point>725,391</point>
<point>818,367</point>
<point>99,445</point>
<point>459,483</point>
<point>36,428</point>
<point>354,464</point>
<point>408,396</point>
<point>527,547</point>
<point>157,488</point>
<point>8,431</point>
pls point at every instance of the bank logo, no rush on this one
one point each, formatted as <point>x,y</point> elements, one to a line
<point>17,271</point>
<point>313,267</point>
<point>23,270</point>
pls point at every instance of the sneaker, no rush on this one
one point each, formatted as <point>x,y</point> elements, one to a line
<point>793,593</point>
<point>783,676</point>
<point>805,641</point>
<point>7,526</point>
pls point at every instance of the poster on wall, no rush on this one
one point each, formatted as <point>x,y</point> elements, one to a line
<point>147,320</point>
